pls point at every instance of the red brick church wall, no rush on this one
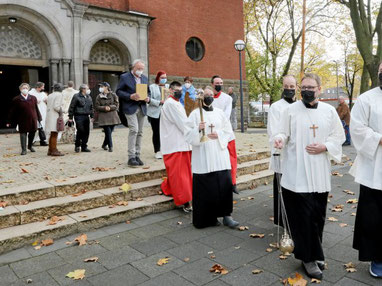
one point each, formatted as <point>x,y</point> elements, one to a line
<point>111,4</point>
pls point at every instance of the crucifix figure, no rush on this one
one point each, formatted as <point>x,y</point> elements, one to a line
<point>314,127</point>
<point>211,126</point>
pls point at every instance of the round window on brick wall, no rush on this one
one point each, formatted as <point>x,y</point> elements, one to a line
<point>195,49</point>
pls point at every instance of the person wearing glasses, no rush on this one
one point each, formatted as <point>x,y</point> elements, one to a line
<point>310,135</point>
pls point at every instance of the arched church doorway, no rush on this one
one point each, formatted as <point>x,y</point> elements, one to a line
<point>23,58</point>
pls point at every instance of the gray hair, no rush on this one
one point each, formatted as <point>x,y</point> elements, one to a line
<point>83,86</point>
<point>313,76</point>
<point>70,83</point>
<point>208,88</point>
<point>24,84</point>
<point>135,62</point>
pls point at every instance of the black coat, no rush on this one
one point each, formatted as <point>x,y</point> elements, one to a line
<point>127,87</point>
<point>25,113</point>
<point>81,105</point>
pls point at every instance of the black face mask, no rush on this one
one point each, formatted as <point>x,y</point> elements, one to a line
<point>380,79</point>
<point>218,88</point>
<point>308,96</point>
<point>208,100</point>
<point>289,93</point>
<point>177,94</point>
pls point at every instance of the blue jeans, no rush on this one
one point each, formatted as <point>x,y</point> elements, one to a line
<point>108,141</point>
<point>347,132</point>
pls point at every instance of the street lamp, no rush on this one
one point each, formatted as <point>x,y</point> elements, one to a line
<point>240,46</point>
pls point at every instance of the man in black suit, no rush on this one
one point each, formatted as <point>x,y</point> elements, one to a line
<point>134,109</point>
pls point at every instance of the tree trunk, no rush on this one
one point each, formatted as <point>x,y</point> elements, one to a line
<point>365,80</point>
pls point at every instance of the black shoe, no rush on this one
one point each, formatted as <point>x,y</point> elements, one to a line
<point>110,149</point>
<point>321,264</point>
<point>104,147</point>
<point>43,143</point>
<point>31,149</point>
<point>77,149</point>
<point>85,150</point>
<point>139,161</point>
<point>312,270</point>
<point>234,190</point>
<point>23,152</point>
<point>228,221</point>
<point>133,163</point>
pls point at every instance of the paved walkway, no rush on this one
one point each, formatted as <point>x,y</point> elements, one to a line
<point>41,167</point>
<point>128,253</point>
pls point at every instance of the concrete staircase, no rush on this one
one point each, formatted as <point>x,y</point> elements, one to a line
<point>92,201</point>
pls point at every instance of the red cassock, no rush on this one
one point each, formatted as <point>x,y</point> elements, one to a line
<point>233,158</point>
<point>178,183</point>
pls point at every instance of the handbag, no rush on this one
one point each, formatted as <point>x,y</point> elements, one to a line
<point>41,134</point>
<point>60,121</point>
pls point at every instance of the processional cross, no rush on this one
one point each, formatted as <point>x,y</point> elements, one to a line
<point>314,127</point>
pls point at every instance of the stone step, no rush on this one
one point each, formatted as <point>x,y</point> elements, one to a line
<point>79,221</point>
<point>98,181</point>
<point>59,206</point>
<point>20,235</point>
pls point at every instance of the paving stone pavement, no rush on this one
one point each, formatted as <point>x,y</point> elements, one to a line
<point>41,167</point>
<point>128,253</point>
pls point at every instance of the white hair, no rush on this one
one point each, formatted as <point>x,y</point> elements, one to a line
<point>135,62</point>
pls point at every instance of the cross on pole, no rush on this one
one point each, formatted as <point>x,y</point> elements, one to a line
<point>314,127</point>
<point>211,126</point>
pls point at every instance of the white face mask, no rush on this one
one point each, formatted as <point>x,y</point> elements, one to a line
<point>139,72</point>
<point>101,89</point>
<point>24,91</point>
<point>187,85</point>
<point>88,91</point>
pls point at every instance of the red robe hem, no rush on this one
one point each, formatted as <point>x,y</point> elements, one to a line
<point>233,158</point>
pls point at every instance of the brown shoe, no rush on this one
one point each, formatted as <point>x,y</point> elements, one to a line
<point>56,153</point>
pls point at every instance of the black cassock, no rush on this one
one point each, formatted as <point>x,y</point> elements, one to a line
<point>276,185</point>
<point>306,214</point>
<point>211,197</point>
<point>368,225</point>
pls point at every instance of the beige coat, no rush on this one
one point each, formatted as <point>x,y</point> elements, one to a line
<point>55,102</point>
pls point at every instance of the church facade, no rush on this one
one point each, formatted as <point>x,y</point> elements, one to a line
<point>89,41</point>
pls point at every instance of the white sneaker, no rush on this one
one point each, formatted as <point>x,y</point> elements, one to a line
<point>158,155</point>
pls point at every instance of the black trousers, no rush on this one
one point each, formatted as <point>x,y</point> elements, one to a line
<point>156,137</point>
<point>306,214</point>
<point>368,225</point>
<point>30,136</point>
<point>276,184</point>
<point>83,130</point>
<point>108,130</point>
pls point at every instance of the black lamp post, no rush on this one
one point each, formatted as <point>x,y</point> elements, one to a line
<point>240,46</point>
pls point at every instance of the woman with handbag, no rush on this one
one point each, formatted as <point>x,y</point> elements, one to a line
<point>107,105</point>
<point>54,119</point>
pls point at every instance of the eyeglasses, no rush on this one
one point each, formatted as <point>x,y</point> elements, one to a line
<point>308,87</point>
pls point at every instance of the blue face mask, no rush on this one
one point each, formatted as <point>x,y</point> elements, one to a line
<point>163,80</point>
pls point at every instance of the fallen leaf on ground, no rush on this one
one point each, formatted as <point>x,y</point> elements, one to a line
<point>82,239</point>
<point>353,214</point>
<point>47,242</point>
<point>3,204</point>
<point>24,203</point>
<point>7,182</point>
<point>24,170</point>
<point>139,199</point>
<point>343,224</point>
<point>273,244</point>
<point>35,243</point>
<point>237,247</point>
<point>83,216</point>
<point>242,228</point>
<point>210,252</point>
<point>257,271</point>
<point>9,155</point>
<point>352,201</point>
<point>68,242</point>
<point>250,198</point>
<point>38,247</point>
<point>271,218</point>
<point>186,259</point>
<point>102,169</point>
<point>78,274</point>
<point>337,208</point>
<point>160,193</point>
<point>350,267</point>
<point>54,220</point>
<point>80,193</point>
<point>314,280</point>
<point>269,250</point>
<point>257,235</point>
<point>332,219</point>
<point>337,174</point>
<point>146,167</point>
<point>60,180</point>
<point>163,261</point>
<point>234,202</point>
<point>218,269</point>
<point>298,280</point>
<point>125,187</point>
<point>212,256</point>
<point>123,203</point>
<point>128,222</point>
<point>112,206</point>
<point>91,259</point>
<point>179,223</point>
<point>349,192</point>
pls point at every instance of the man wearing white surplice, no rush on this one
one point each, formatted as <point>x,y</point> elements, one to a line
<point>311,134</point>
<point>366,132</point>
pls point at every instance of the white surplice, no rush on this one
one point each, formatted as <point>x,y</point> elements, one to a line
<point>366,133</point>
<point>172,125</point>
<point>273,125</point>
<point>213,155</point>
<point>67,95</point>
<point>224,102</point>
<point>41,103</point>
<point>302,172</point>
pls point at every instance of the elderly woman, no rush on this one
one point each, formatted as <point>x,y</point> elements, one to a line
<point>55,106</point>
<point>25,114</point>
<point>107,105</point>
<point>154,109</point>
